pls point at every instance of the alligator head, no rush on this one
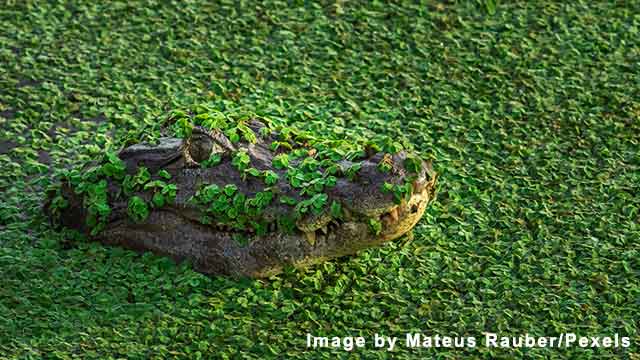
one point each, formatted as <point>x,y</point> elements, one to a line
<point>247,199</point>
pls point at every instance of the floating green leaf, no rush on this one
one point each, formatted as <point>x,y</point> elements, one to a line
<point>137,209</point>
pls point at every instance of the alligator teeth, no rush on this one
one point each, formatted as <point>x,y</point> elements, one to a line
<point>311,237</point>
<point>394,213</point>
<point>324,229</point>
<point>416,186</point>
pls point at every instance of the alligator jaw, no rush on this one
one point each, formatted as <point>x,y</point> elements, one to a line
<point>217,253</point>
<point>273,251</point>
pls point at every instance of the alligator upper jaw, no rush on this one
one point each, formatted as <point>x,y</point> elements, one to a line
<point>356,230</point>
<point>405,216</point>
<point>271,252</point>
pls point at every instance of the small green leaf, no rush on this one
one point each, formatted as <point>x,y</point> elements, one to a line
<point>247,133</point>
<point>213,160</point>
<point>280,161</point>
<point>137,209</point>
<point>375,226</point>
<point>158,199</point>
<point>241,160</point>
<point>253,172</point>
<point>270,177</point>
<point>229,189</point>
<point>233,136</point>
<point>490,5</point>
<point>288,200</point>
<point>164,174</point>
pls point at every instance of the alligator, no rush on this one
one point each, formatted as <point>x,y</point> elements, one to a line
<point>245,199</point>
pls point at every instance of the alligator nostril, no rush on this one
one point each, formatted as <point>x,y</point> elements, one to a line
<point>414,209</point>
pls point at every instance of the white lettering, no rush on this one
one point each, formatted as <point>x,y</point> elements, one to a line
<point>490,340</point>
<point>542,341</point>
<point>583,341</point>
<point>625,342</point>
<point>412,340</point>
<point>471,341</point>
<point>517,341</point>
<point>347,343</point>
<point>446,341</point>
<point>378,341</point>
<point>504,342</point>
<point>392,342</point>
<point>437,340</point>
<point>427,342</point>
<point>320,341</point>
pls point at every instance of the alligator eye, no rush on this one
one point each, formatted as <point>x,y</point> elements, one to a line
<point>200,147</point>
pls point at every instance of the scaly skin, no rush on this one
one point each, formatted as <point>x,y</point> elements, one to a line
<point>176,229</point>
